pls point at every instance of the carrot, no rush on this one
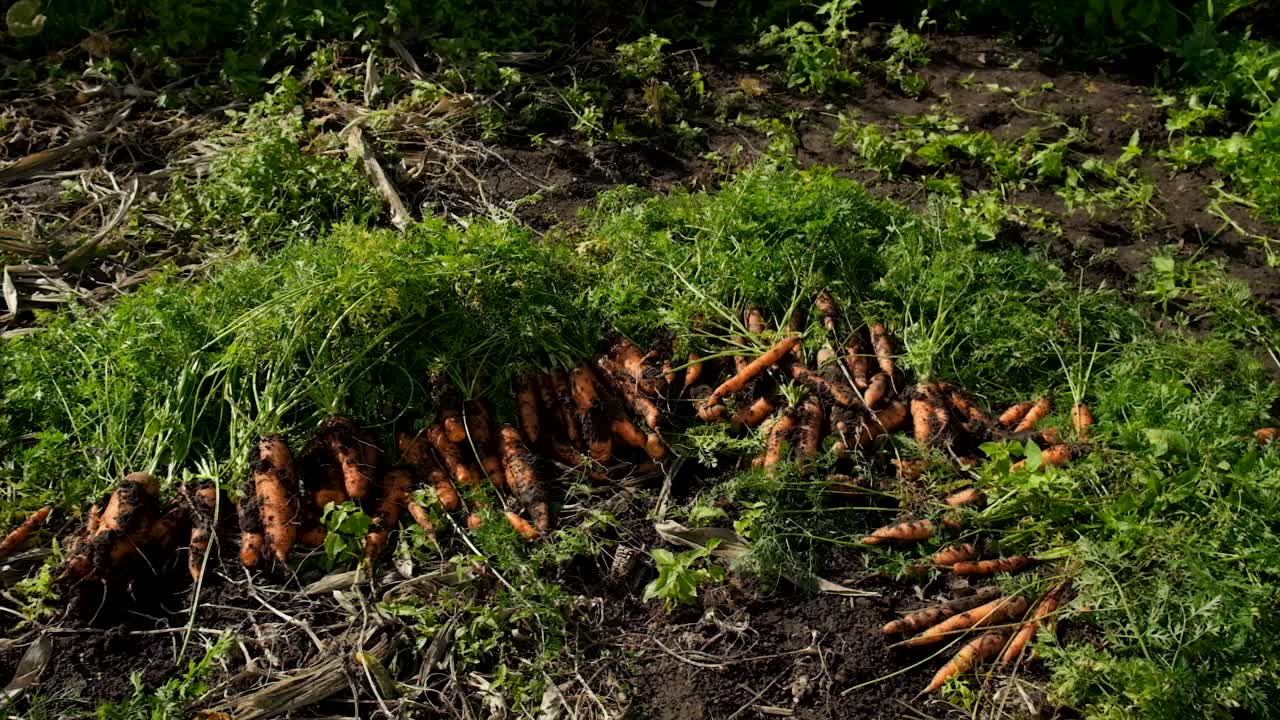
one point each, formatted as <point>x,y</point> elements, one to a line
<point>909,470</point>
<point>857,360</point>
<point>132,504</point>
<point>1047,605</point>
<point>975,651</point>
<point>1038,412</point>
<point>480,428</point>
<point>647,378</point>
<point>811,419</point>
<point>395,496</point>
<point>964,498</point>
<point>1011,417</point>
<point>204,509</point>
<point>837,392</point>
<point>754,368</point>
<point>694,371</point>
<point>93,519</point>
<point>564,407</point>
<point>755,320</point>
<point>355,453</point>
<point>991,567</point>
<point>876,390</point>
<point>522,526</point>
<point>753,414</point>
<point>527,405</point>
<point>474,521</point>
<point>642,406</point>
<point>451,455</point>
<point>841,484</point>
<point>454,429</point>
<point>123,526</point>
<point>1267,435</point>
<point>777,434</point>
<point>23,532</point>
<point>275,482</point>
<point>1081,420</point>
<point>521,478</point>
<point>826,356</point>
<point>992,613</point>
<point>591,417</point>
<point>547,400</point>
<point>964,405</point>
<point>313,535</point>
<point>1059,454</point>
<point>928,617</point>
<point>883,346</point>
<point>446,493</point>
<point>421,517</point>
<point>827,308</point>
<point>655,447</point>
<point>884,421</point>
<point>1051,436</point>
<point>927,414</point>
<point>912,531</point>
<point>949,556</point>
<point>627,433</point>
<point>252,539</point>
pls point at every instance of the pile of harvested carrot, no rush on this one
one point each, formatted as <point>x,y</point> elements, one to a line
<point>595,418</point>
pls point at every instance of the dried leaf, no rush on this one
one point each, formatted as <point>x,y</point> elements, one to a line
<point>10,293</point>
<point>32,665</point>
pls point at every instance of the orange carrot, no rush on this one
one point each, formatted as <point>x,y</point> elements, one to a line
<point>876,390</point>
<point>991,567</point>
<point>252,539</point>
<point>964,405</point>
<point>451,455</point>
<point>446,493</point>
<point>521,478</point>
<point>857,360</point>
<point>777,435</point>
<point>276,485</point>
<point>1015,413</point>
<point>355,453</point>
<point>992,613</point>
<point>479,428</point>
<point>827,308</point>
<point>694,371</point>
<point>454,429</point>
<point>564,407</point>
<point>755,320</point>
<point>949,556</point>
<point>420,516</point>
<point>527,405</point>
<point>395,496</point>
<point>23,532</point>
<point>1267,435</point>
<point>474,521</point>
<point>753,414</point>
<point>591,416</point>
<point>837,392</point>
<point>927,414</point>
<point>642,406</point>
<point>312,536</point>
<point>627,433</point>
<point>93,519</point>
<point>1059,454</point>
<point>1047,605</point>
<point>654,446</point>
<point>975,651</point>
<point>1038,412</point>
<point>522,526</point>
<point>883,345</point>
<point>1050,436</point>
<point>847,485</point>
<point>1082,420</point>
<point>886,420</point>
<point>204,508</point>
<point>964,498</point>
<point>912,531</point>
<point>647,378</point>
<point>810,421</point>
<point>739,381</point>
<point>136,496</point>
<point>909,470</point>
<point>928,617</point>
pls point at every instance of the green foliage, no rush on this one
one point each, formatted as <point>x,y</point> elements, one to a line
<point>346,526</point>
<point>678,577</point>
<point>170,700</point>
<point>642,59</point>
<point>818,61</point>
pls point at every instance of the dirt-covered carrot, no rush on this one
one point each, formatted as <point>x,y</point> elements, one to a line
<point>948,556</point>
<point>565,407</point>
<point>993,612</point>
<point>739,381</point>
<point>858,360</point>
<point>693,372</point>
<point>826,356</point>
<point>877,390</point>
<point>755,320</point>
<point>826,306</point>
<point>474,521</point>
<point>451,421</point>
<point>910,470</point>
<point>964,498</point>
<point>981,648</point>
<point>522,526</point>
<point>811,419</point>
<point>1039,411</point>
<point>480,432</point>
<point>1055,455</point>
<point>313,535</point>
<point>991,567</point>
<point>276,486</point>
<point>575,460</point>
<point>777,436</point>
<point>547,403</point>
<point>928,415</point>
<point>123,526</point>
<point>708,413</point>
<point>451,456</point>
<point>93,519</point>
<point>883,346</point>
<point>23,531</point>
<point>591,415</point>
<point>885,420</point>
<point>354,451</point>
<point>753,414</point>
<point>964,406</point>
<point>642,406</point>
<point>1012,416</point>
<point>205,506</point>
<point>422,518</point>
<point>1267,435</point>
<point>648,378</point>
<point>626,432</point>
<point>904,532</point>
<point>1081,420</point>
<point>132,504</point>
<point>395,497</point>
<point>446,493</point>
<point>527,408</point>
<point>522,479</point>
<point>252,537</point>
<point>836,392</point>
<point>928,617</point>
<point>1046,607</point>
